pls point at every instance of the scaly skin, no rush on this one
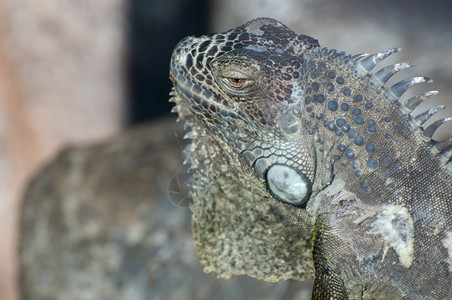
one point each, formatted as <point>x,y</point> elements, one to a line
<point>297,147</point>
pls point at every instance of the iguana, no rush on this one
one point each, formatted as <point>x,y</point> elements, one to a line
<point>299,148</point>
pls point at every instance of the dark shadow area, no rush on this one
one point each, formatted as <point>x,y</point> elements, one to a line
<point>155,27</point>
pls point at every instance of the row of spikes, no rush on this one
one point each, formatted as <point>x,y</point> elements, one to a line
<point>363,64</point>
<point>181,184</point>
<point>188,134</point>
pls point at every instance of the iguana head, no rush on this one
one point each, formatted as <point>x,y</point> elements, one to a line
<point>245,86</point>
<point>239,93</point>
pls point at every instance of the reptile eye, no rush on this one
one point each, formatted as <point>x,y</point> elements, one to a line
<point>237,82</point>
<point>235,79</point>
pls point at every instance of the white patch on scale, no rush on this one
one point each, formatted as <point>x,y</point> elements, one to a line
<point>395,225</point>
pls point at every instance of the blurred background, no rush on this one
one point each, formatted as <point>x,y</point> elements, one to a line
<point>77,73</point>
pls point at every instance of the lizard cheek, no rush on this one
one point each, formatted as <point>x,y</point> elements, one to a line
<point>288,185</point>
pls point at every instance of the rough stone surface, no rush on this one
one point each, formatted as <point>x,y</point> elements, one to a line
<point>97,224</point>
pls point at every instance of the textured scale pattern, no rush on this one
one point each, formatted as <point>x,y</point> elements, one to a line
<point>302,157</point>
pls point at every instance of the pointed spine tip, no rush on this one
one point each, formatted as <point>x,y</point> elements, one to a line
<point>423,117</point>
<point>364,66</point>
<point>384,74</point>
<point>187,148</point>
<point>187,160</point>
<point>430,130</point>
<point>412,103</point>
<point>398,89</point>
<point>188,135</point>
